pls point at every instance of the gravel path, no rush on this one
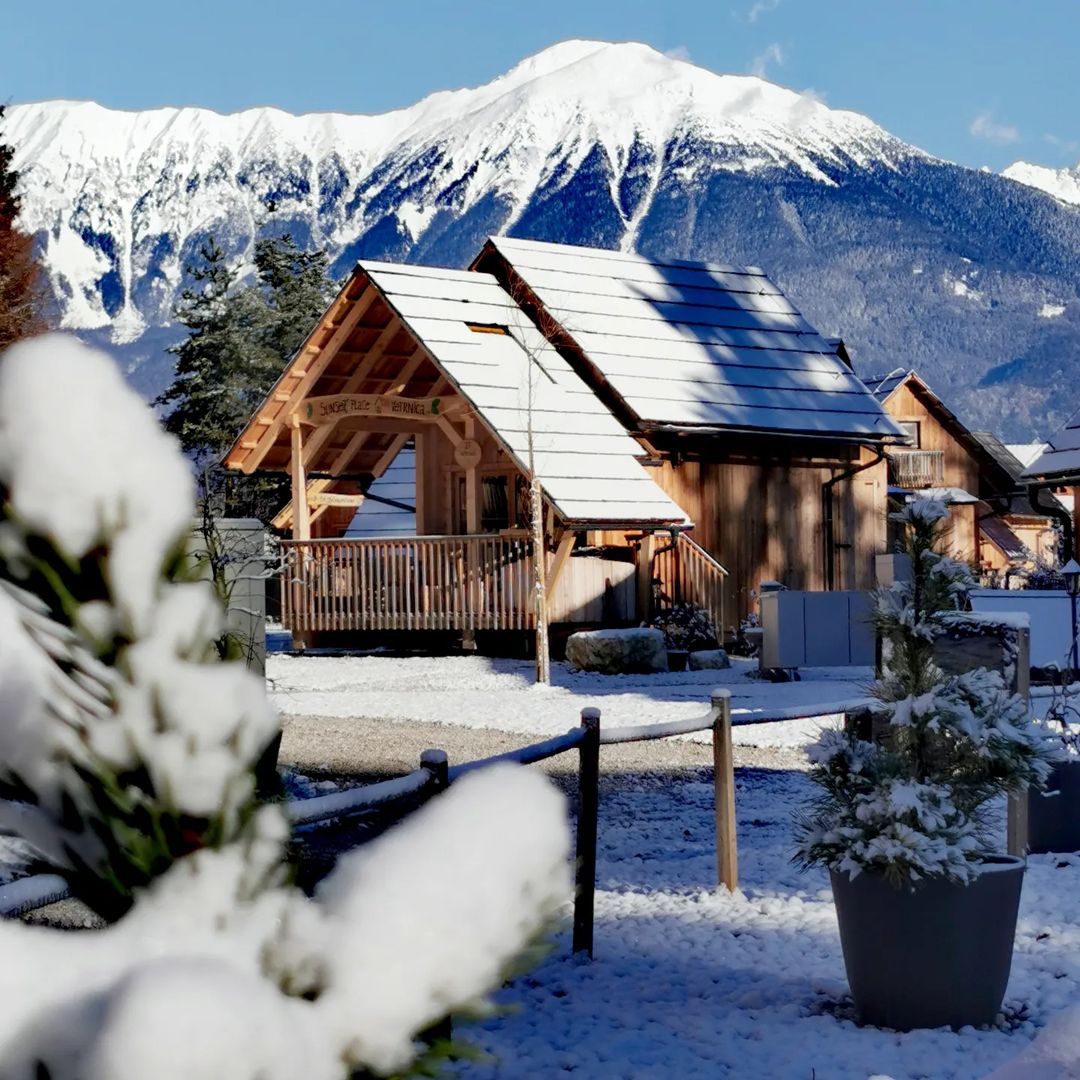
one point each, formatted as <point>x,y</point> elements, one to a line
<point>376,748</point>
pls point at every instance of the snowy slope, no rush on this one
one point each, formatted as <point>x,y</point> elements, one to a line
<point>914,261</point>
<point>1063,184</point>
<point>118,197</point>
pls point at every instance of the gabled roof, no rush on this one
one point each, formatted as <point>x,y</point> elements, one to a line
<point>1008,461</point>
<point>1060,461</point>
<point>477,342</point>
<point>883,386</point>
<point>996,477</point>
<point>690,346</point>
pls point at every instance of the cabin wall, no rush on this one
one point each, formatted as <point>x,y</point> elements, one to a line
<point>439,505</point>
<point>960,469</point>
<point>766,522</point>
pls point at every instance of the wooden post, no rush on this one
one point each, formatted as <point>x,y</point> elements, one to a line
<point>438,764</point>
<point>301,521</point>
<point>727,853</point>
<point>644,578</point>
<point>588,811</point>
<point>543,645</point>
<point>1016,812</point>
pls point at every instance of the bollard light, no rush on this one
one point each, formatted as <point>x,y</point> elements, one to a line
<point>1071,573</point>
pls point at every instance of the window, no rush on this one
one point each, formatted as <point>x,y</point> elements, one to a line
<point>488,328</point>
<point>913,430</point>
<point>504,501</point>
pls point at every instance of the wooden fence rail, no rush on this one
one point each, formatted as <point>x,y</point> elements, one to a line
<point>686,573</point>
<point>409,583</point>
<point>435,775</point>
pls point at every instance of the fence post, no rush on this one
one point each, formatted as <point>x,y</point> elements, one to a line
<point>588,810</point>
<point>727,853</point>
<point>436,763</point>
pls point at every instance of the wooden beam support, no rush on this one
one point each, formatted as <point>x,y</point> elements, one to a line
<point>559,559</point>
<point>402,377</point>
<point>472,486</point>
<point>302,384</point>
<point>301,522</point>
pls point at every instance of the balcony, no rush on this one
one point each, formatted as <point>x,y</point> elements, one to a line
<point>916,468</point>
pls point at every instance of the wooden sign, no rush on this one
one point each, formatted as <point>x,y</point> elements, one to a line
<point>333,407</point>
<point>467,454</point>
<point>333,498</point>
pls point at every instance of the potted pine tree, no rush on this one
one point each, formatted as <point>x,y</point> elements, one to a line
<point>927,909</point>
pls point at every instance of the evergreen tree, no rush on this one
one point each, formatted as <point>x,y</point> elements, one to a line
<point>239,340</point>
<point>207,401</point>
<point>297,287</point>
<point>20,276</point>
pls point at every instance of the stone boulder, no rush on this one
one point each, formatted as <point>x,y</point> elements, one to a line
<point>637,650</point>
<point>707,659</point>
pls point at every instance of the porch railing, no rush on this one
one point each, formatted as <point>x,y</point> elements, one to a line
<point>917,468</point>
<point>688,574</point>
<point>409,583</point>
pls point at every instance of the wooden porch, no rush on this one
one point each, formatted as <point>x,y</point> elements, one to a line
<point>463,583</point>
<point>485,582</point>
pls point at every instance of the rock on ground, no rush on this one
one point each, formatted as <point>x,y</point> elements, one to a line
<point>618,652</point>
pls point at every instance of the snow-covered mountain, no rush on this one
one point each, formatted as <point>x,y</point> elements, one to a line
<point>1063,184</point>
<point>970,277</point>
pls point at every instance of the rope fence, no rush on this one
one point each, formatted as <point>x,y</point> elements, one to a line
<point>435,774</point>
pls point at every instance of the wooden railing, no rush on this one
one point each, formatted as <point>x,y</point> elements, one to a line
<point>688,574</point>
<point>917,468</point>
<point>410,583</point>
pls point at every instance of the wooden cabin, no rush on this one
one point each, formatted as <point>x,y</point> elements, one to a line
<point>442,366</point>
<point>691,433</point>
<point>744,414</point>
<point>994,526</point>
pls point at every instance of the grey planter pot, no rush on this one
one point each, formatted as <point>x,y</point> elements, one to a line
<point>676,659</point>
<point>937,955</point>
<point>1054,814</point>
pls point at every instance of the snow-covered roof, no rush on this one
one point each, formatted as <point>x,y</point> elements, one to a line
<point>1061,458</point>
<point>694,345</point>
<point>883,386</point>
<point>951,496</point>
<point>454,337</point>
<point>583,456</point>
<point>1026,453</point>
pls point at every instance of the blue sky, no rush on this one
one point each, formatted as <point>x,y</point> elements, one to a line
<point>982,82</point>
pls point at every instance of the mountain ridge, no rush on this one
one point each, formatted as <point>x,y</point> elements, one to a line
<point>913,260</point>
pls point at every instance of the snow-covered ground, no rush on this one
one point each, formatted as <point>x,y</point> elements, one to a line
<point>689,981</point>
<point>478,692</point>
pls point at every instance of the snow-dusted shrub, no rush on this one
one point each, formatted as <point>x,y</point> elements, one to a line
<point>910,805</point>
<point>686,626</point>
<point>127,758</point>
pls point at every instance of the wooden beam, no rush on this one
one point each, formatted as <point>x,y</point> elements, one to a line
<point>472,492</point>
<point>301,522</point>
<point>325,410</point>
<point>420,443</point>
<point>558,560</point>
<point>364,369</point>
<point>314,369</point>
<point>402,377</point>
